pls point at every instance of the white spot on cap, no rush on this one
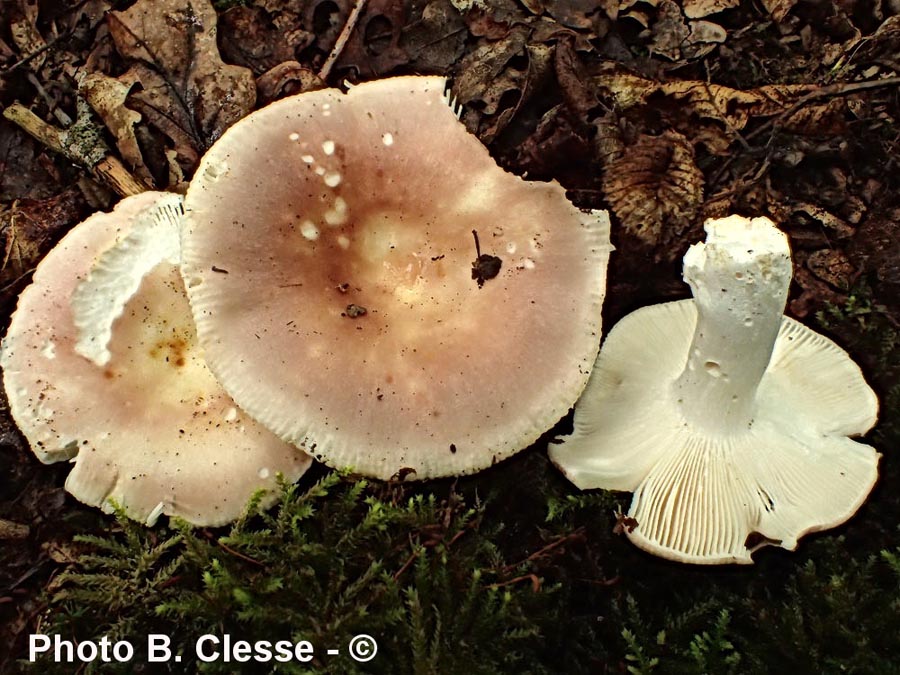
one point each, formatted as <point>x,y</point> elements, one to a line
<point>388,138</point>
<point>320,170</point>
<point>215,169</point>
<point>528,264</point>
<point>333,179</point>
<point>511,247</point>
<point>713,368</point>
<point>294,136</point>
<point>49,350</point>
<point>328,147</point>
<point>309,159</point>
<point>264,473</point>
<point>309,230</point>
<point>231,414</point>
<point>337,215</point>
<point>343,242</point>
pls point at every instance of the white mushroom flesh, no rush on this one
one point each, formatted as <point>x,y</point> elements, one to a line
<point>758,444</point>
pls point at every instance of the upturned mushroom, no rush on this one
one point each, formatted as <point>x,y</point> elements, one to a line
<point>371,286</point>
<point>724,417</point>
<point>128,397</point>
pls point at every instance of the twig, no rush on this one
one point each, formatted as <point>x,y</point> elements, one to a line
<point>341,42</point>
<point>839,89</point>
<point>79,144</point>
<point>407,564</point>
<point>533,578</point>
<point>574,536</point>
<point>238,554</point>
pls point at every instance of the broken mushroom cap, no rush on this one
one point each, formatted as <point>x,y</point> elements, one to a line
<point>143,419</point>
<point>725,417</point>
<point>330,257</point>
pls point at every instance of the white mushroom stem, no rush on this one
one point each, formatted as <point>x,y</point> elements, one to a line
<point>740,280</point>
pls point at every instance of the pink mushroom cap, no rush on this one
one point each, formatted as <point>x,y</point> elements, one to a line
<point>150,430</point>
<point>328,254</point>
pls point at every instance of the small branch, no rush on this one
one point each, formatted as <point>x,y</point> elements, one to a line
<point>533,578</point>
<point>827,91</point>
<point>406,565</point>
<point>81,144</point>
<point>577,535</point>
<point>238,554</point>
<point>342,39</point>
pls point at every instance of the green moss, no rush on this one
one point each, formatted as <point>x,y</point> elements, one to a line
<point>507,571</point>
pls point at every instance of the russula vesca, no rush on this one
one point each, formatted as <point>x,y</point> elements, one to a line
<point>135,407</point>
<point>330,260</point>
<point>725,417</point>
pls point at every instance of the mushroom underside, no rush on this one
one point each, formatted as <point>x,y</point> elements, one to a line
<point>698,497</point>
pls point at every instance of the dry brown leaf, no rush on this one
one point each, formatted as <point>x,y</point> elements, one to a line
<point>285,79</point>
<point>655,187</point>
<point>836,225</point>
<point>25,34</point>
<point>30,228</point>
<point>437,40</point>
<point>107,95</point>
<point>814,293</point>
<point>160,107</point>
<point>697,9</point>
<point>374,45</point>
<point>484,76</point>
<point>669,31</point>
<point>778,9</point>
<point>734,107</point>
<point>10,530</point>
<point>176,41</point>
<point>832,266</point>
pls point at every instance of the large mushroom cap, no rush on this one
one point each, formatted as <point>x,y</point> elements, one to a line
<point>150,428</point>
<point>702,482</point>
<point>329,258</point>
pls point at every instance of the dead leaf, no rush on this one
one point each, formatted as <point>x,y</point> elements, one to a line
<point>12,530</point>
<point>778,9</point>
<point>833,267</point>
<point>30,228</point>
<point>374,46</point>
<point>669,31</point>
<point>483,75</point>
<point>877,248</point>
<point>285,79</point>
<point>556,149</point>
<point>437,39</point>
<point>697,9</point>
<point>734,107</point>
<point>579,95</point>
<point>107,95</point>
<point>25,34</point>
<point>260,40</point>
<point>160,106</point>
<point>814,293</point>
<point>655,188</point>
<point>174,41</point>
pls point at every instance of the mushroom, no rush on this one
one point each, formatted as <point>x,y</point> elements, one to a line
<point>131,402</point>
<point>343,301</point>
<point>724,417</point>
